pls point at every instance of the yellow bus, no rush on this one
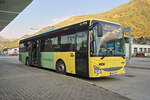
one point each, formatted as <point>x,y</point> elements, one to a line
<point>91,48</point>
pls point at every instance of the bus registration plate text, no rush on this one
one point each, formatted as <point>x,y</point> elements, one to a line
<point>113,73</point>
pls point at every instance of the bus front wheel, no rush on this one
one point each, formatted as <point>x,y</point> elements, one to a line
<point>60,67</point>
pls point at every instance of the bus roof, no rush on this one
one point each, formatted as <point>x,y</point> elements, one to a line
<point>104,21</point>
<point>61,28</point>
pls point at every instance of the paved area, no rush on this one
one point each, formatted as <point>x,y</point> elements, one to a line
<point>19,82</point>
<point>135,84</point>
<point>139,62</point>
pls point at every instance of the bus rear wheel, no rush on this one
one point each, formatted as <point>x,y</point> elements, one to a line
<point>60,67</point>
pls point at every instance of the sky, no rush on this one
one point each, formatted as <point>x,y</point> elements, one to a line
<point>42,13</point>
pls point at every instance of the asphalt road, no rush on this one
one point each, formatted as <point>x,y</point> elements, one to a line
<point>138,61</point>
<point>135,84</point>
<point>20,82</point>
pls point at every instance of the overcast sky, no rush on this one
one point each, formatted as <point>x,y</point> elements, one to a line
<point>42,13</point>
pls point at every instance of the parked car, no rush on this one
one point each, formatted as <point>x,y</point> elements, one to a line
<point>13,54</point>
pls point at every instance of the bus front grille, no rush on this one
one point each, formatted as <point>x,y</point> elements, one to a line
<point>112,69</point>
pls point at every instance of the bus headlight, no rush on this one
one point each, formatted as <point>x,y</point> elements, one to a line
<point>97,70</point>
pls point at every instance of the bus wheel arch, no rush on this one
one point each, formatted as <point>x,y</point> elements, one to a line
<point>60,66</point>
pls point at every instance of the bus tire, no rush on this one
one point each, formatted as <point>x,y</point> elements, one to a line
<point>27,62</point>
<point>60,67</point>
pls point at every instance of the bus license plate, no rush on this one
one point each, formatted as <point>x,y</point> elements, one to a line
<point>113,73</point>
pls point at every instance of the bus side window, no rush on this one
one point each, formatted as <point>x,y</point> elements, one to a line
<point>68,42</point>
<point>50,44</point>
<point>54,44</point>
<point>23,47</point>
<point>71,40</point>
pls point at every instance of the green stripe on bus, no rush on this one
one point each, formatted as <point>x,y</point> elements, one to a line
<point>47,59</point>
<point>22,56</point>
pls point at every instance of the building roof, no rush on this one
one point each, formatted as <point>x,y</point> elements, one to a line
<point>9,9</point>
<point>140,45</point>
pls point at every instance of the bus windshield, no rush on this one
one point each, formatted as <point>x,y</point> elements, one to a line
<point>110,44</point>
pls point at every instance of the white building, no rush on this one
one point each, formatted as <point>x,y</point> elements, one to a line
<point>13,51</point>
<point>1,52</point>
<point>140,49</point>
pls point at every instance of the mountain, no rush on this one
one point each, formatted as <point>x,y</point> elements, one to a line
<point>135,14</point>
<point>2,39</point>
<point>7,43</point>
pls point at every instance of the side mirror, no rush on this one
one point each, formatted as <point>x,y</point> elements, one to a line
<point>99,30</point>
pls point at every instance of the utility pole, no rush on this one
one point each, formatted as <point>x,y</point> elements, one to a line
<point>128,29</point>
<point>130,46</point>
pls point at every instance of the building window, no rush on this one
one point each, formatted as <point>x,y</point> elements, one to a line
<point>148,50</point>
<point>141,49</point>
<point>135,50</point>
<point>145,50</point>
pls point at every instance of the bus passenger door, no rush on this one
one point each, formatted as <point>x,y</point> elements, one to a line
<point>33,52</point>
<point>82,54</point>
<point>38,49</point>
<point>30,51</point>
<point>36,52</point>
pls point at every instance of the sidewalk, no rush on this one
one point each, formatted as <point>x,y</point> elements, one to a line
<point>141,63</point>
<point>19,82</point>
<point>138,66</point>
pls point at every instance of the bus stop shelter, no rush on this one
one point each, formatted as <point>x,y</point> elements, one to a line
<point>9,9</point>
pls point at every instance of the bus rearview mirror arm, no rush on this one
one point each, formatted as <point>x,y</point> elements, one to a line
<point>98,27</point>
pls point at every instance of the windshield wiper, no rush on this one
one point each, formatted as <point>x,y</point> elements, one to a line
<point>123,56</point>
<point>103,57</point>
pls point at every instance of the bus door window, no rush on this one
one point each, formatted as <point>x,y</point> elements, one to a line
<point>30,48</point>
<point>42,45</point>
<point>34,50</point>
<point>28,45</point>
<point>81,42</point>
<point>21,47</point>
<point>81,53</point>
<point>92,42</point>
<point>38,49</point>
<point>38,43</point>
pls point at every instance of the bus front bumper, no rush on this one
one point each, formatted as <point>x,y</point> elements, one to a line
<point>106,72</point>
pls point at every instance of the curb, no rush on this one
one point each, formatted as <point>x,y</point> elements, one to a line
<point>137,67</point>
